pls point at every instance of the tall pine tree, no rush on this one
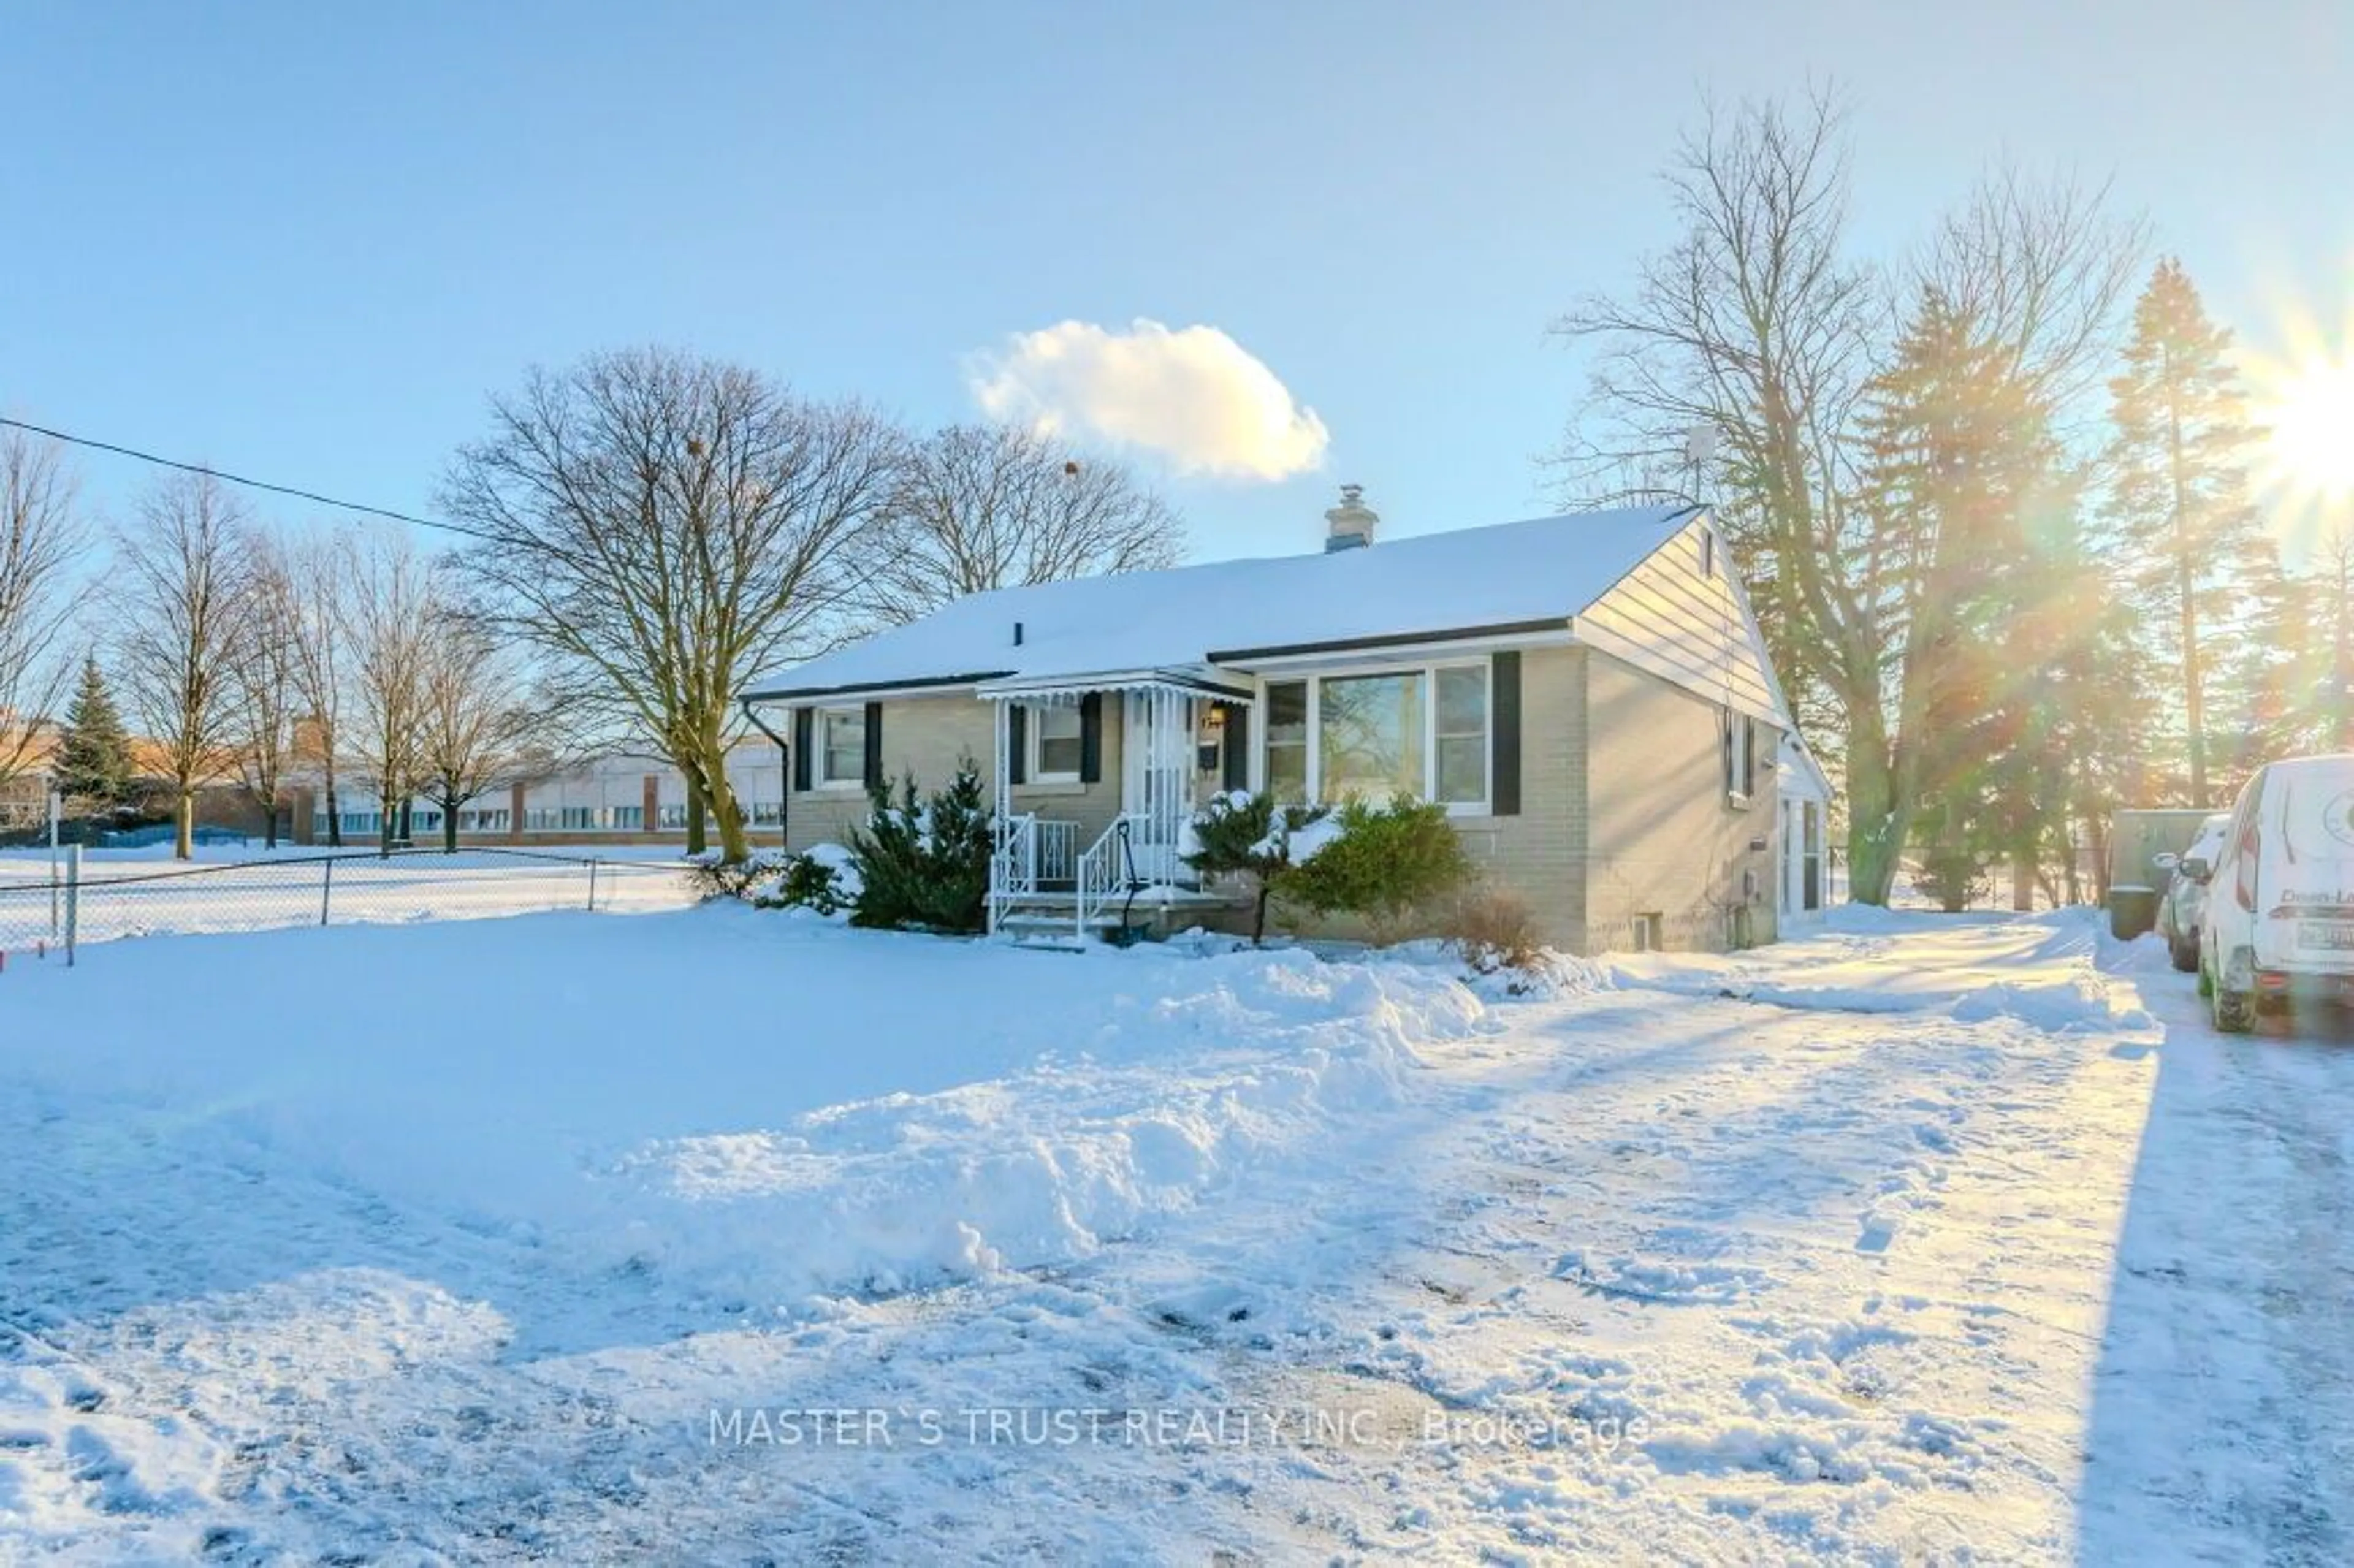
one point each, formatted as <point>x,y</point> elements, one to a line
<point>2179,499</point>
<point>1965,479</point>
<point>2271,665</point>
<point>93,759</point>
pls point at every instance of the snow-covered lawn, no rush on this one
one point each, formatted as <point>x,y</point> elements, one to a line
<point>717,1234</point>
<point>143,892</point>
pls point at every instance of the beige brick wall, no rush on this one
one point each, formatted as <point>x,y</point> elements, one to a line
<point>1535,853</point>
<point>1661,836</point>
<point>930,736</point>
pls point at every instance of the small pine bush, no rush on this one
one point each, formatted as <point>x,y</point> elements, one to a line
<point>1382,863</point>
<point>924,867</point>
<point>1242,834</point>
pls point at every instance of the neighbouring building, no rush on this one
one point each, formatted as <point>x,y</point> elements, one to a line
<point>1588,694</point>
<point>25,801</point>
<point>618,799</point>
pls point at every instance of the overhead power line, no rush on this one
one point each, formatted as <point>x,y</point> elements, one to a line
<point>312,495</point>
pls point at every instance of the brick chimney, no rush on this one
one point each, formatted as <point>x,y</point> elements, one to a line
<point>1351,522</point>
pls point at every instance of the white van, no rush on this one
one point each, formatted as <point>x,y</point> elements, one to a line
<point>2280,900</point>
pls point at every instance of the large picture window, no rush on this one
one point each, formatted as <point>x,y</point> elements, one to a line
<point>1368,737</point>
<point>1422,733</point>
<point>841,746</point>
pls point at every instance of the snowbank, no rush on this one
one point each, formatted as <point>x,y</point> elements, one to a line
<point>2045,970</point>
<point>754,1110</point>
<point>1041,1167</point>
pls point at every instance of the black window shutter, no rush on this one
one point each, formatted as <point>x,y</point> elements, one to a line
<point>804,727</point>
<point>1724,734</point>
<point>1017,743</point>
<point>1504,746</point>
<point>1091,738</point>
<point>1238,742</point>
<point>875,745</point>
<point>1749,756</point>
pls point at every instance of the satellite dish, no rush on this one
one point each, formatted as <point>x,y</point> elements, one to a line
<point>1700,445</point>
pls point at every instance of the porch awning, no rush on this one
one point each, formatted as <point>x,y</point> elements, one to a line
<point>1217,685</point>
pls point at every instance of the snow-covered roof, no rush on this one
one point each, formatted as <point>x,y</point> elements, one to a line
<point>1511,576</point>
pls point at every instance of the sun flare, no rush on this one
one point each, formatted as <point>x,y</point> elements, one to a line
<point>2305,401</point>
<point>2312,427</point>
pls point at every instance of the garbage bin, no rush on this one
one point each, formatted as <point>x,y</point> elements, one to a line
<point>2131,911</point>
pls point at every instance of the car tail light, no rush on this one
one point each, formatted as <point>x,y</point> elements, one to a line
<point>2243,881</point>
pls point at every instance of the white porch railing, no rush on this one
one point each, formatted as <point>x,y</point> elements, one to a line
<point>1032,853</point>
<point>1057,850</point>
<point>1135,853</point>
<point>1105,874</point>
<point>1012,865</point>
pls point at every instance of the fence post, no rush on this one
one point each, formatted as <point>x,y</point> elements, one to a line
<point>326,887</point>
<point>592,886</point>
<point>56,807</point>
<point>73,902</point>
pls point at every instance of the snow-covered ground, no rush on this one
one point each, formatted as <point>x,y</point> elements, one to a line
<point>228,887</point>
<point>721,1235</point>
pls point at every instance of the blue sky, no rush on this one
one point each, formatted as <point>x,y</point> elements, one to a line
<point>304,241</point>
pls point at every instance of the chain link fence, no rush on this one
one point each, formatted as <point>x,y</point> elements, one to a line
<point>49,907</point>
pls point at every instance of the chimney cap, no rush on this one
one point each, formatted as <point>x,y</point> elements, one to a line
<point>1350,524</point>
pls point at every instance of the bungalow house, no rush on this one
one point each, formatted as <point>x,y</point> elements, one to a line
<point>1588,696</point>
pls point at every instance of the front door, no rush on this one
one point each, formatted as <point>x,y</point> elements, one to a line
<point>1156,762</point>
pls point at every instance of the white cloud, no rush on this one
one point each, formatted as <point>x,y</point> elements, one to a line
<point>1192,395</point>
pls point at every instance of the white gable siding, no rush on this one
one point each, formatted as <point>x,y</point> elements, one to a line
<point>1684,625</point>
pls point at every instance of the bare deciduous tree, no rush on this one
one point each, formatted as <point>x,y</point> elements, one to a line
<point>320,570</point>
<point>988,506</point>
<point>182,601</point>
<point>265,691</point>
<point>663,528</point>
<point>393,607</point>
<point>480,730</point>
<point>41,538</point>
<point>1760,326</point>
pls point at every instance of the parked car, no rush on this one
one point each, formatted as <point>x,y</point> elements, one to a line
<point>2278,927</point>
<point>2184,907</point>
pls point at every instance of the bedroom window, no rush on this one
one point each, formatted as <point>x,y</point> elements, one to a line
<point>1286,740</point>
<point>1054,744</point>
<point>841,747</point>
<point>1461,729</point>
